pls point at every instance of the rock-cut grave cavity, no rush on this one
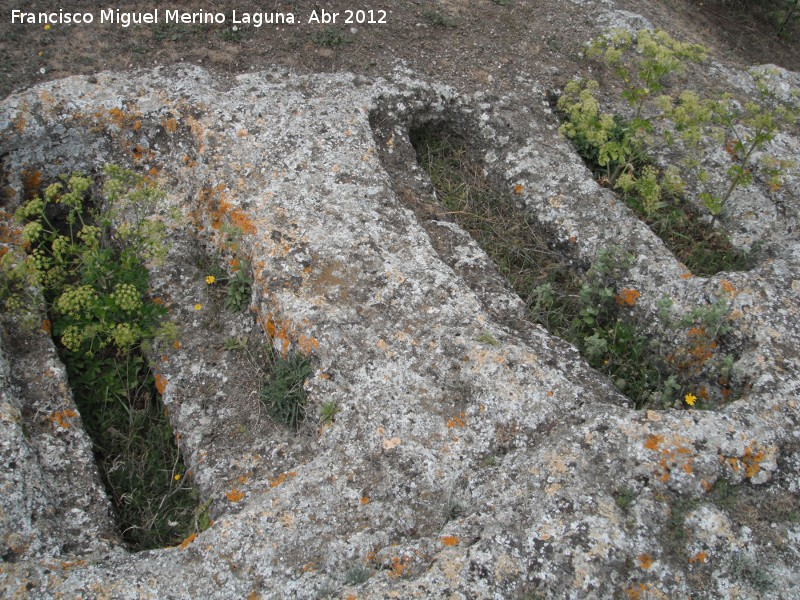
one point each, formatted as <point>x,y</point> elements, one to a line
<point>682,360</point>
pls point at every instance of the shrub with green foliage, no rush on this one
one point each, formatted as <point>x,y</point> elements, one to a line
<point>642,63</point>
<point>742,128</point>
<point>618,147</point>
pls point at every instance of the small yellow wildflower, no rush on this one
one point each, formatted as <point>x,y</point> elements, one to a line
<point>690,399</point>
<point>47,27</point>
<point>210,279</point>
<point>198,306</point>
<point>177,477</point>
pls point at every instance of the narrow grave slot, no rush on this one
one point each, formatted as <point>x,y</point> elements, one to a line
<point>82,247</point>
<point>588,309</point>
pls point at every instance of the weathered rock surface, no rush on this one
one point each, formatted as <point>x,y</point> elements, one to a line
<point>455,467</point>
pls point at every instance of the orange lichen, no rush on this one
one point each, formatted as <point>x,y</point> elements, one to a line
<point>161,383</point>
<point>458,421</point>
<point>235,495</point>
<point>627,297</point>
<point>31,182</point>
<point>240,219</point>
<point>700,557</point>
<point>47,327</point>
<point>117,116</point>
<point>518,189</point>
<point>307,344</point>
<point>142,154</point>
<point>679,457</point>
<point>751,461</point>
<point>171,125</point>
<point>665,470</point>
<point>185,543</point>
<point>728,287</point>
<point>398,566</point>
<point>20,124</point>
<point>635,592</point>
<point>281,478</point>
<point>62,418</point>
<point>645,561</point>
<point>653,441</point>
<point>197,130</point>
<point>449,540</point>
<point>285,330</point>
<point>686,276</point>
<point>364,500</point>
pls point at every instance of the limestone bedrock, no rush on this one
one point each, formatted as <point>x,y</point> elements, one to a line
<point>455,467</point>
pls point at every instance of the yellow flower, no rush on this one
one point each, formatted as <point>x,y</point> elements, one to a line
<point>177,477</point>
<point>690,399</point>
<point>47,27</point>
<point>198,306</point>
<point>210,279</point>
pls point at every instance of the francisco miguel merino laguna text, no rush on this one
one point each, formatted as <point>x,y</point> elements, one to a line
<point>126,19</point>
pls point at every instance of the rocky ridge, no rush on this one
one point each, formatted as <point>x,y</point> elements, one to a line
<point>455,468</point>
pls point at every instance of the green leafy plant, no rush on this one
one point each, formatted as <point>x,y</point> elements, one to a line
<point>743,128</point>
<point>87,258</point>
<point>642,62</point>
<point>488,338</point>
<point>328,412</point>
<point>786,16</point>
<point>624,497</point>
<point>706,371</point>
<point>235,343</point>
<point>203,516</point>
<point>234,34</point>
<point>283,393</point>
<point>239,289</point>
<point>330,37</point>
<point>437,19</point>
<point>357,575</point>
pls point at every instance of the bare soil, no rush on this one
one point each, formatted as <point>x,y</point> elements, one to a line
<point>472,44</point>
